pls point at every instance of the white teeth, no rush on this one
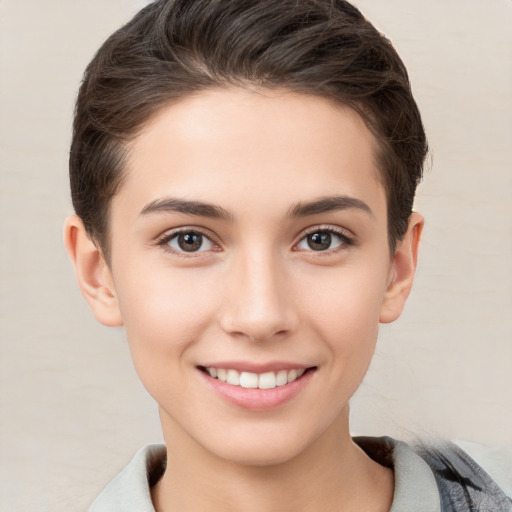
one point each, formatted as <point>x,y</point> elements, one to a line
<point>282,378</point>
<point>249,380</point>
<point>233,378</point>
<point>292,375</point>
<point>268,380</point>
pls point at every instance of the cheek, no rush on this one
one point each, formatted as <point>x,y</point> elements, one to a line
<point>164,313</point>
<point>345,308</point>
<point>350,293</point>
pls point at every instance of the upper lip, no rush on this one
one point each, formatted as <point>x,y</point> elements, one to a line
<point>253,367</point>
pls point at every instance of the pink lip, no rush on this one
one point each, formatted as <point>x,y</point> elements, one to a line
<point>257,399</point>
<point>251,366</point>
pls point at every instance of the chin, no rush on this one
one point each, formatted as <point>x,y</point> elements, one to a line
<point>266,447</point>
<point>261,456</point>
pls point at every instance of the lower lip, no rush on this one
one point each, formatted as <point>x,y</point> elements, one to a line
<point>256,399</point>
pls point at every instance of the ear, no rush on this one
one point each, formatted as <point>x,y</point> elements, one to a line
<point>92,272</point>
<point>403,267</point>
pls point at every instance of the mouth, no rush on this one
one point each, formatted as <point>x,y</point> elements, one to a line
<point>251,380</point>
<point>256,387</point>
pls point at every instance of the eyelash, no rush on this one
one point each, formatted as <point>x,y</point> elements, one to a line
<point>341,234</point>
<point>166,238</point>
<point>345,239</point>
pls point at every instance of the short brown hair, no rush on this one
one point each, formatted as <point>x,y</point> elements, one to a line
<point>173,48</point>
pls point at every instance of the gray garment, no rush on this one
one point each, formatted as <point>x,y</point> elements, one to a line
<point>415,485</point>
<point>129,491</point>
<point>463,485</point>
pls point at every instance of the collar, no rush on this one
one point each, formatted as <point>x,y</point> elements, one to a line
<point>415,486</point>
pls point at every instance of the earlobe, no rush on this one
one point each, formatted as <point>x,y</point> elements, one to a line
<point>92,272</point>
<point>403,270</point>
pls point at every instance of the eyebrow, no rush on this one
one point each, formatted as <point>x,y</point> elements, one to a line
<point>171,205</point>
<point>301,209</point>
<point>329,204</point>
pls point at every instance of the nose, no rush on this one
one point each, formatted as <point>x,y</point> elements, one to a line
<point>258,301</point>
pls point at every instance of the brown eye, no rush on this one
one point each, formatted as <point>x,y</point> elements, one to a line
<point>319,241</point>
<point>190,241</point>
<point>323,240</point>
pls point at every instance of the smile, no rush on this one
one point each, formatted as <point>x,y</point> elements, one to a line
<point>272,386</point>
<point>249,380</point>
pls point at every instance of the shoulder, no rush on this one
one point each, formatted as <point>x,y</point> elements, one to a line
<point>496,460</point>
<point>130,489</point>
<point>463,484</point>
<point>434,477</point>
<point>437,476</point>
<point>415,486</point>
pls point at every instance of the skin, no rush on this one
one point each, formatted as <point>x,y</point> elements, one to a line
<point>255,291</point>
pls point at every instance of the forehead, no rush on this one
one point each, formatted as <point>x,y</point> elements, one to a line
<point>252,145</point>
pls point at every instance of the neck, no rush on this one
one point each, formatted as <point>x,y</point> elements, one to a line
<point>333,474</point>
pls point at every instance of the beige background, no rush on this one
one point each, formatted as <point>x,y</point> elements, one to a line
<point>71,409</point>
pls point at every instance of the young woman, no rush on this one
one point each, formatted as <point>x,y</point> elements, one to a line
<point>243,174</point>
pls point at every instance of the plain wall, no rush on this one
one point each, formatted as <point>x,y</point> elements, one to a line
<point>71,409</point>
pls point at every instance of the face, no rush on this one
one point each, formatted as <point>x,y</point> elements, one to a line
<point>251,266</point>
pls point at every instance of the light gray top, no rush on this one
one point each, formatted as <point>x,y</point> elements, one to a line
<point>129,491</point>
